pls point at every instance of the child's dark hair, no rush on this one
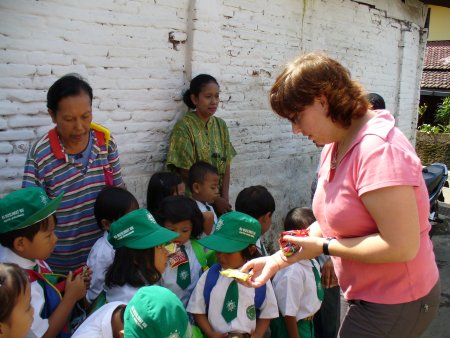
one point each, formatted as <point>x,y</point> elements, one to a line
<point>113,203</point>
<point>7,239</point>
<point>13,283</point>
<point>376,100</point>
<point>255,201</point>
<point>69,85</point>
<point>198,172</point>
<point>161,185</point>
<point>299,218</point>
<point>176,209</point>
<point>132,266</point>
<point>247,253</point>
<point>196,86</point>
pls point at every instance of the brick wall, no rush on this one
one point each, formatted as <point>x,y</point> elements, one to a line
<point>139,56</point>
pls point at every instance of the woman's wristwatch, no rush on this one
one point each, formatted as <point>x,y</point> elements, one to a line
<point>325,245</point>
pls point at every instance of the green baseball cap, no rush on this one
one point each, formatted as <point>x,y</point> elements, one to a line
<point>138,230</point>
<point>234,232</point>
<point>25,207</point>
<point>156,312</point>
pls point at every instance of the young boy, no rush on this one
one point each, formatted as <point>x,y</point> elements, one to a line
<point>204,185</point>
<point>153,311</point>
<point>27,228</point>
<point>298,287</point>
<point>259,203</point>
<point>219,304</point>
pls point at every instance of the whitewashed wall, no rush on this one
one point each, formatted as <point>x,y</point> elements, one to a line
<point>139,56</point>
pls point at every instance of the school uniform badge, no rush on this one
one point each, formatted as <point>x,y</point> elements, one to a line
<point>251,312</point>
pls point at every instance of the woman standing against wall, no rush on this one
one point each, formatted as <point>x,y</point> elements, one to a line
<point>201,136</point>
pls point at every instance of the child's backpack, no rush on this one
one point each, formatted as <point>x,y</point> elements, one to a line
<point>53,285</point>
<point>211,280</point>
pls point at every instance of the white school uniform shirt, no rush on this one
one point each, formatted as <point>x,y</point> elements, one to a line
<point>260,247</point>
<point>242,323</point>
<point>39,325</point>
<point>169,277</point>
<point>98,324</point>
<point>204,207</point>
<point>295,289</point>
<point>99,260</point>
<point>120,293</point>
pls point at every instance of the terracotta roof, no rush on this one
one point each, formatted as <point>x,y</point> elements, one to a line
<point>436,69</point>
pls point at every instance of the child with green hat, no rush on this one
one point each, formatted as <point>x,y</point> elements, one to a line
<point>140,257</point>
<point>155,311</point>
<point>219,304</point>
<point>27,228</point>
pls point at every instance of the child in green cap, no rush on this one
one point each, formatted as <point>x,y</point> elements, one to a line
<point>140,256</point>
<point>27,228</point>
<point>155,311</point>
<point>220,305</point>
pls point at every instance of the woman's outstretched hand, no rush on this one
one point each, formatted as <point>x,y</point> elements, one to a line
<point>261,270</point>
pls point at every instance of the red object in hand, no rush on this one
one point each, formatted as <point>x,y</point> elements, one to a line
<point>287,248</point>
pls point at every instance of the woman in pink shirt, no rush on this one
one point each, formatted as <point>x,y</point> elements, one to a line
<point>371,203</point>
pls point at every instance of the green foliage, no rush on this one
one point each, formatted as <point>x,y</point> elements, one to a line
<point>422,109</point>
<point>442,115</point>
<point>429,129</point>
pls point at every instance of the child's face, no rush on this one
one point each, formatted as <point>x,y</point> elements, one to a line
<point>21,317</point>
<point>266,222</point>
<point>42,244</point>
<point>73,119</point>
<point>183,229</point>
<point>208,190</point>
<point>231,260</point>
<point>181,189</point>
<point>160,258</point>
<point>207,101</point>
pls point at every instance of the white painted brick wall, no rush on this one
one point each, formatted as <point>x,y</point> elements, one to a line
<point>139,56</point>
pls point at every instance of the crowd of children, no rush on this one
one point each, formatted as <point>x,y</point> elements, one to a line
<point>132,272</point>
<point>157,271</point>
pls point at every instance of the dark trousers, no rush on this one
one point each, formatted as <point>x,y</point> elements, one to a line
<point>409,320</point>
<point>327,319</point>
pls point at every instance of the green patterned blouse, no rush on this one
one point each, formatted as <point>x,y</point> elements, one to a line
<point>192,140</point>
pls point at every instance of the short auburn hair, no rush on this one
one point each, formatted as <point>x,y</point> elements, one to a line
<point>312,75</point>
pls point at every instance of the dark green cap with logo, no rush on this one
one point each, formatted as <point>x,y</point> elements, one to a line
<point>25,207</point>
<point>233,232</point>
<point>138,230</point>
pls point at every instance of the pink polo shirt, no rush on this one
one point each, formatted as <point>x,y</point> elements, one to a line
<point>381,156</point>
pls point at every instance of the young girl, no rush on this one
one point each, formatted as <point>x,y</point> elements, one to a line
<point>220,305</point>
<point>140,257</point>
<point>298,288</point>
<point>201,136</point>
<point>161,185</point>
<point>111,204</point>
<point>16,312</point>
<point>182,215</point>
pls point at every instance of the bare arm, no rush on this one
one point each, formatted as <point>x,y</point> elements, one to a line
<point>262,325</point>
<point>202,320</point>
<point>394,210</point>
<point>226,184</point>
<point>291,326</point>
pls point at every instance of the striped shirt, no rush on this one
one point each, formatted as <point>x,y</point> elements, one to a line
<point>49,167</point>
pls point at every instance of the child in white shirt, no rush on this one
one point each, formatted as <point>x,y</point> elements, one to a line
<point>182,215</point>
<point>204,186</point>
<point>227,307</point>
<point>298,288</point>
<point>111,204</point>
